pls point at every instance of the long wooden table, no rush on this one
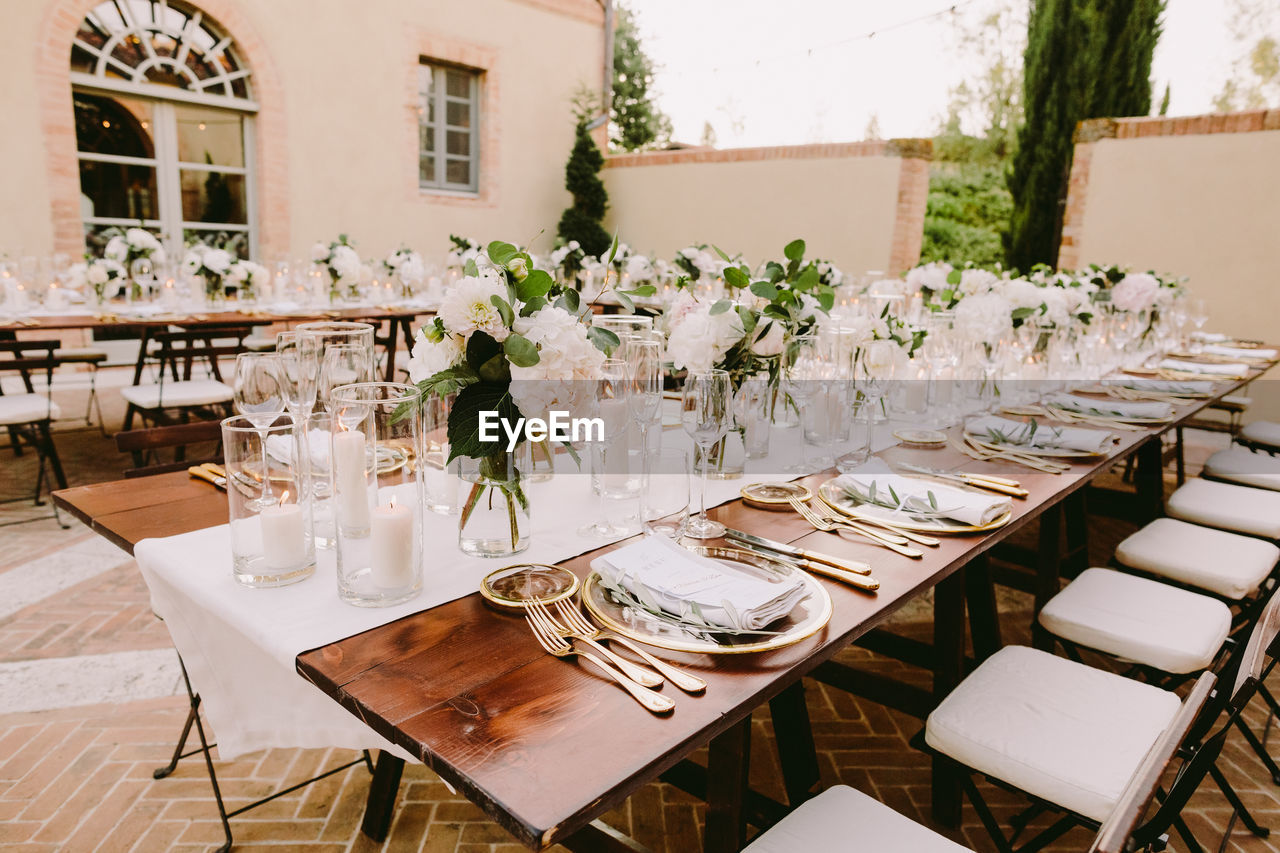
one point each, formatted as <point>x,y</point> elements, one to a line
<point>545,748</point>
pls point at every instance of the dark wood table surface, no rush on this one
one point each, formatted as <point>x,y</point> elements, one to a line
<point>197,319</point>
<point>546,747</point>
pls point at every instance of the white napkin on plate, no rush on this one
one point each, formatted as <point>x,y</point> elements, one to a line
<point>1240,352</point>
<point>1210,337</point>
<point>280,447</point>
<point>1144,410</point>
<point>1234,369</point>
<point>1164,386</point>
<point>963,506</point>
<point>674,577</point>
<point>1061,437</point>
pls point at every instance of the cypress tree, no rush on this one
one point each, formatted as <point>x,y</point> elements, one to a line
<point>637,121</point>
<point>1084,59</point>
<point>581,220</point>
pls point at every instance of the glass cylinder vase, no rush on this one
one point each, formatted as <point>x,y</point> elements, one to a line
<point>269,504</point>
<point>494,519</point>
<point>375,452</point>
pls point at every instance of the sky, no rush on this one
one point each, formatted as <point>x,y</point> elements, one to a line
<point>780,72</point>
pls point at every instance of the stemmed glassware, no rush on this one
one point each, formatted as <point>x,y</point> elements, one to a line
<point>799,363</point>
<point>259,397</point>
<point>342,364</point>
<point>610,405</point>
<point>871,366</point>
<point>706,411</point>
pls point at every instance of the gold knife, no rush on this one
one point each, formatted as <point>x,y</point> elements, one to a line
<point>201,473</point>
<point>855,566</point>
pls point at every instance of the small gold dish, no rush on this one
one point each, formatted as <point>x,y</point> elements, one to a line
<point>774,496</point>
<point>918,437</point>
<point>514,586</point>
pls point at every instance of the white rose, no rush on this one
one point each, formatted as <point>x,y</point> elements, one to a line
<point>412,269</point>
<point>1020,293</point>
<point>468,307</point>
<point>158,255</point>
<point>1135,292</point>
<point>238,273</point>
<point>117,249</point>
<point>974,281</point>
<point>769,341</point>
<point>217,260</point>
<point>701,339</point>
<point>319,253</point>
<point>429,358</point>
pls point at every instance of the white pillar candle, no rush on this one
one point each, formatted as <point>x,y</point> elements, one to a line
<point>392,547</point>
<point>350,482</point>
<point>56,298</point>
<point>284,543</point>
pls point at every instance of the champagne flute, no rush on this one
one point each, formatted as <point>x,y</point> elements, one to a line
<point>705,412</point>
<point>799,385</point>
<point>609,404</point>
<point>644,398</point>
<point>343,364</point>
<point>258,396</point>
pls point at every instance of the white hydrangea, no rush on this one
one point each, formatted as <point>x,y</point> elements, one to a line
<point>566,357</point>
<point>468,307</point>
<point>217,260</point>
<point>1020,293</point>
<point>771,341</point>
<point>117,249</point>
<point>319,252</point>
<point>700,339</point>
<point>345,262</point>
<point>974,281</point>
<point>984,317</point>
<point>932,275</point>
<point>1135,292</point>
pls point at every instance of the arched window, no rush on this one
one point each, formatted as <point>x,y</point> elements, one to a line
<point>164,111</point>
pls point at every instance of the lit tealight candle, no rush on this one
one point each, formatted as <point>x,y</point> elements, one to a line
<point>392,546</point>
<point>351,483</point>
<point>284,543</point>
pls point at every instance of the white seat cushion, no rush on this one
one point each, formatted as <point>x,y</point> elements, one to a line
<point>26,408</point>
<point>1230,507</point>
<point>844,819</point>
<point>1057,729</point>
<point>1262,432</point>
<point>1246,467</point>
<point>1234,401</point>
<point>194,392</point>
<point>1228,564</point>
<point>1139,620</point>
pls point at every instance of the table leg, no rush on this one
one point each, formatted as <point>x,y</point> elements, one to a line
<point>796,751</point>
<point>948,649</point>
<point>389,374</point>
<point>728,765</point>
<point>1149,480</point>
<point>1048,572</point>
<point>380,806</point>
<point>984,616</point>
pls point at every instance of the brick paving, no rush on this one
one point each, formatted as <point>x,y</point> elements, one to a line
<point>80,778</point>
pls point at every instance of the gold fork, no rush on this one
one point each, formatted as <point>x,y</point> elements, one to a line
<point>833,526</point>
<point>825,510</point>
<point>557,645</point>
<point>629,669</point>
<point>582,629</point>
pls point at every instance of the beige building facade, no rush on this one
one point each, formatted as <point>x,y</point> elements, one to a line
<point>278,123</point>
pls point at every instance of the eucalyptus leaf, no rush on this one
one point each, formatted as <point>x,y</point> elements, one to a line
<point>520,350</point>
<point>794,250</point>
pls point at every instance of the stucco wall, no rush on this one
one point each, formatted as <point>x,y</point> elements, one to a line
<point>858,204</point>
<point>1196,196</point>
<point>337,135</point>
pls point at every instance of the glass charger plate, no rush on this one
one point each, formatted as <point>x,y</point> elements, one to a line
<point>809,617</point>
<point>834,496</point>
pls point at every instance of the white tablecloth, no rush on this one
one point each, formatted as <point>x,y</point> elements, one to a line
<point>239,644</point>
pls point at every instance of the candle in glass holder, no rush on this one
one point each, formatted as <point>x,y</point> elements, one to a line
<point>351,484</point>
<point>56,298</point>
<point>392,531</point>
<point>283,536</point>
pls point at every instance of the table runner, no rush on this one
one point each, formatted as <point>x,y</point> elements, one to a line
<point>239,644</point>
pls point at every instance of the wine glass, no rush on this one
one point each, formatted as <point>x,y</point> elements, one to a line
<point>343,364</point>
<point>705,412</point>
<point>610,405</point>
<point>258,396</point>
<point>297,367</point>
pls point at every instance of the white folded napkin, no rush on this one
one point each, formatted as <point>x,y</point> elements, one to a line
<point>1144,410</point>
<point>280,447</point>
<point>963,506</point>
<point>1164,386</point>
<point>660,571</point>
<point>1210,337</point>
<point>1240,352</point>
<point>1233,369</point>
<point>1062,437</point>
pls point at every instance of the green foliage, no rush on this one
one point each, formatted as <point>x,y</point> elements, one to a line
<point>581,221</point>
<point>636,122</point>
<point>967,214</point>
<point>1084,59</point>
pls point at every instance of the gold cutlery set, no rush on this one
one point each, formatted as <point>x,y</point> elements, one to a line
<point>985,451</point>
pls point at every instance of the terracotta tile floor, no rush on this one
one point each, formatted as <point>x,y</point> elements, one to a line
<point>79,778</point>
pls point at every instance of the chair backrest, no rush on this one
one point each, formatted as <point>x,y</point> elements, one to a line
<point>29,357</point>
<point>1117,831</point>
<point>139,442</point>
<point>189,347</point>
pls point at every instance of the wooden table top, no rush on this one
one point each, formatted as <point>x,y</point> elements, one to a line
<point>197,319</point>
<point>544,747</point>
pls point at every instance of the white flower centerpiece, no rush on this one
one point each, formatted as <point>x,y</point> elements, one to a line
<point>407,269</point>
<point>249,279</point>
<point>209,266</point>
<point>508,339</point>
<point>139,252</point>
<point>104,277</point>
<point>341,263</point>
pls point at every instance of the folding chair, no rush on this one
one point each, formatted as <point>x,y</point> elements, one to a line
<point>27,415</point>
